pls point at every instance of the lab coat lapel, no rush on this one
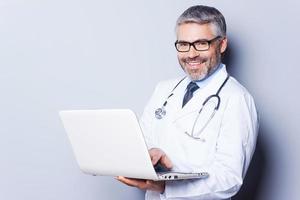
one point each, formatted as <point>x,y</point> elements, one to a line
<point>175,102</point>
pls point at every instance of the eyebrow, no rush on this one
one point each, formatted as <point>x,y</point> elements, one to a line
<point>199,40</point>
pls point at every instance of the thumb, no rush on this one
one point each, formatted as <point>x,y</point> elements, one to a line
<point>166,162</point>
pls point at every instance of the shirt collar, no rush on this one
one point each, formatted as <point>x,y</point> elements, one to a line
<point>203,82</point>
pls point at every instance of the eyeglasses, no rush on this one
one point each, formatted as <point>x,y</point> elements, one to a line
<point>199,45</point>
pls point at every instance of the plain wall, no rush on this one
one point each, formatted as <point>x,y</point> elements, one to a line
<point>63,54</point>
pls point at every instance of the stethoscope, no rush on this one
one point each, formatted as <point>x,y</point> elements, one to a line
<point>161,112</point>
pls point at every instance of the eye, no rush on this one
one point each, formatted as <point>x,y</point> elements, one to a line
<point>183,44</point>
<point>201,43</point>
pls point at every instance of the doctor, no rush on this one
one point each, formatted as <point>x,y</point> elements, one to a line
<point>206,121</point>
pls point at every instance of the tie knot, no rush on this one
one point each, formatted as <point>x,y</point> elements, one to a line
<point>192,87</point>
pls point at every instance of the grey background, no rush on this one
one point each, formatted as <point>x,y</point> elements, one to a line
<point>63,54</point>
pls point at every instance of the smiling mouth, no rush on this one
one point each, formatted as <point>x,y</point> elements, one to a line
<point>194,65</point>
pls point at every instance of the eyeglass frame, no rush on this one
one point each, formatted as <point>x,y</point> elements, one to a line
<point>193,44</point>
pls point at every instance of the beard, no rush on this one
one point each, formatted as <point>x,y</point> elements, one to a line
<point>204,66</point>
<point>198,73</point>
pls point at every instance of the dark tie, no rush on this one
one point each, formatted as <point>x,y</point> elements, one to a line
<point>190,89</point>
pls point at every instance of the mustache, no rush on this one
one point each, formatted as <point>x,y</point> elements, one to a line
<point>195,59</point>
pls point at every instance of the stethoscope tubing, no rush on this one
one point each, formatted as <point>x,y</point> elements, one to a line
<point>161,112</point>
<point>216,95</point>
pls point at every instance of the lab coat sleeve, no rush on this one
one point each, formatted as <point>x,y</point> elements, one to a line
<point>234,148</point>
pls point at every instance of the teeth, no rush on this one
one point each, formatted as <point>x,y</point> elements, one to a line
<point>194,63</point>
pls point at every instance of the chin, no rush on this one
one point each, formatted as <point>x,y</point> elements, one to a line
<point>197,75</point>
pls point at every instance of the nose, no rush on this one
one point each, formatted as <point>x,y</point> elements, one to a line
<point>192,53</point>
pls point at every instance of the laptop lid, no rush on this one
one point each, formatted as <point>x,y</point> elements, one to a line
<point>108,142</point>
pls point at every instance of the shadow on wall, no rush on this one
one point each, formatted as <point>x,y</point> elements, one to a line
<point>229,58</point>
<point>255,176</point>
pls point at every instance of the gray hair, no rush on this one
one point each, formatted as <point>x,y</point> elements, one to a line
<point>204,15</point>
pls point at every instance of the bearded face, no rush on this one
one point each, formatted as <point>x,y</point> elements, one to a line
<point>198,64</point>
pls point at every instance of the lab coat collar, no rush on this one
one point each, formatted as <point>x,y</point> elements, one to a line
<point>203,82</point>
<point>200,95</point>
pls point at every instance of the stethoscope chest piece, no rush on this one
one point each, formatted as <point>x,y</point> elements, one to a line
<point>160,112</point>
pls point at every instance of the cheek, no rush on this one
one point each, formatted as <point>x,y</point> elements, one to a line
<point>180,56</point>
<point>212,57</point>
<point>181,60</point>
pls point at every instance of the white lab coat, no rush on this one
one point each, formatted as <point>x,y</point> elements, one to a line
<point>226,146</point>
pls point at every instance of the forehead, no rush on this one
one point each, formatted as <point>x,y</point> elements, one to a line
<point>193,31</point>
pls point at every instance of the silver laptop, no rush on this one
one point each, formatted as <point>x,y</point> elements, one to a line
<point>110,142</point>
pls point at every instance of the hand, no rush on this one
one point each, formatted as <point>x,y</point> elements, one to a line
<point>158,186</point>
<point>156,155</point>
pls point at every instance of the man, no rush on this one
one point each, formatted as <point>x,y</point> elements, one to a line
<point>182,134</point>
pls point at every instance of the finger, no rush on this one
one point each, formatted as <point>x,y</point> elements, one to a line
<point>155,155</point>
<point>124,180</point>
<point>155,159</point>
<point>130,181</point>
<point>166,162</point>
<point>149,182</point>
<point>158,155</point>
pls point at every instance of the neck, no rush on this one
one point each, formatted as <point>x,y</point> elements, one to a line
<point>213,70</point>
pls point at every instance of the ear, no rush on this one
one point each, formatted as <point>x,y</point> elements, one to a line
<point>223,44</point>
